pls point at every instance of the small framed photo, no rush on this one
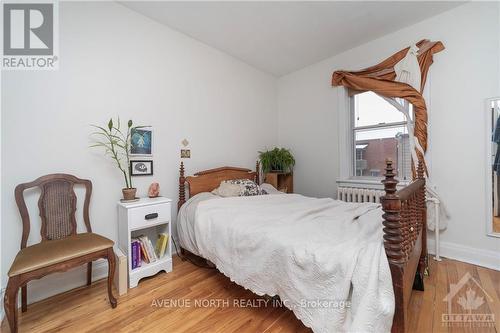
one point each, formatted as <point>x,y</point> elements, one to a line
<point>141,141</point>
<point>141,168</point>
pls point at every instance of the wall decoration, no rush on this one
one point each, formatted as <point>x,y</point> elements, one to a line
<point>141,168</point>
<point>141,141</point>
<point>185,153</point>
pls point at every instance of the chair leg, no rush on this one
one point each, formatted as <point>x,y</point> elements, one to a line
<point>10,302</point>
<point>24,298</point>
<point>89,273</point>
<point>111,275</point>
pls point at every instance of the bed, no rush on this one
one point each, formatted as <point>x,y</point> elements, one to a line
<point>249,241</point>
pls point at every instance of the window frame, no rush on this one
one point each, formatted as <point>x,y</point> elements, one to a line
<point>344,149</point>
<point>352,136</point>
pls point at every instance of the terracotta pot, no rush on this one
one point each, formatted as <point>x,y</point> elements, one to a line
<point>129,193</point>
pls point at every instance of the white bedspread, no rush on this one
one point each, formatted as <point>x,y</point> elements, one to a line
<point>316,254</point>
<point>186,218</point>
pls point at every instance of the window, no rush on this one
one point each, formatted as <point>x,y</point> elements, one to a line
<point>378,132</point>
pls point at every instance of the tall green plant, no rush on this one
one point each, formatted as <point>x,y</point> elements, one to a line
<point>116,144</point>
<point>277,159</point>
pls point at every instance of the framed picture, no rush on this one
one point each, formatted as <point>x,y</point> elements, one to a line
<point>141,168</point>
<point>141,141</point>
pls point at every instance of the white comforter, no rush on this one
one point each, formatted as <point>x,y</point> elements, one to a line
<point>316,254</point>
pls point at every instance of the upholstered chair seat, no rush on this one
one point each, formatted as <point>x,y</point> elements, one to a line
<point>56,251</point>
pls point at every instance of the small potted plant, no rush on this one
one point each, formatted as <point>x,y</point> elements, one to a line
<point>116,144</point>
<point>276,160</point>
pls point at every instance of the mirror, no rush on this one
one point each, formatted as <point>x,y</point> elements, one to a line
<point>493,158</point>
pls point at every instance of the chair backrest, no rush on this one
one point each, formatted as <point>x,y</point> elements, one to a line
<point>57,205</point>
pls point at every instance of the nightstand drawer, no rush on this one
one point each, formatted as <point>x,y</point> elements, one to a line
<point>149,215</point>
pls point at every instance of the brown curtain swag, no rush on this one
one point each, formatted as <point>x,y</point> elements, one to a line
<point>380,79</point>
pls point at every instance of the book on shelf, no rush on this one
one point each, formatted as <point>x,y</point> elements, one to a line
<point>144,253</point>
<point>161,244</point>
<point>134,257</point>
<point>151,250</point>
<point>136,254</point>
<point>142,249</point>
<point>148,252</point>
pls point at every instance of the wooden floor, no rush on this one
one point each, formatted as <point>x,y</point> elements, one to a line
<point>87,309</point>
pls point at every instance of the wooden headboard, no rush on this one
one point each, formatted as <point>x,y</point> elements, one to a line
<point>208,180</point>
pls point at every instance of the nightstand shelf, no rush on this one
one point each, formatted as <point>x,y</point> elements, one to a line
<point>282,181</point>
<point>149,217</point>
<point>162,264</point>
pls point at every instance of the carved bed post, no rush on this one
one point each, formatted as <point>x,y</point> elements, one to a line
<point>182,187</point>
<point>391,205</point>
<point>393,244</point>
<point>423,263</point>
<point>257,172</point>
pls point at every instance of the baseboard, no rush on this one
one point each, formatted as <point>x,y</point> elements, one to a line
<point>471,255</point>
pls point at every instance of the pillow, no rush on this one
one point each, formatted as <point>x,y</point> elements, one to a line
<point>270,189</point>
<point>227,190</point>
<point>246,188</point>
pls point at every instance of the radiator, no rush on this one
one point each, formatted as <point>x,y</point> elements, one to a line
<point>356,194</point>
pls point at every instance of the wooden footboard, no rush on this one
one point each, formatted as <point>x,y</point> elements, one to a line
<point>405,239</point>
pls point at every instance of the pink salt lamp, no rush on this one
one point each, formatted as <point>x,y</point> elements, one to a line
<point>154,190</point>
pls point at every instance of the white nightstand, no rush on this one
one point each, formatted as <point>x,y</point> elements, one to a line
<point>149,217</point>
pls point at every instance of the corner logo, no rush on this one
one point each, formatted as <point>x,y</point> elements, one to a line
<point>30,32</point>
<point>467,304</point>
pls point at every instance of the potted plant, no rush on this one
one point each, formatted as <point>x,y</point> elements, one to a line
<point>276,160</point>
<point>116,144</point>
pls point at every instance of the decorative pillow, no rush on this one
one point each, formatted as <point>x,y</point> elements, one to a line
<point>227,190</point>
<point>270,189</point>
<point>246,188</point>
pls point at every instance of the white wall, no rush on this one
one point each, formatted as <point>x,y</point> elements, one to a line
<point>113,62</point>
<point>462,77</point>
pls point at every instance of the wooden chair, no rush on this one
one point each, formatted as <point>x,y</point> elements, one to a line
<point>61,248</point>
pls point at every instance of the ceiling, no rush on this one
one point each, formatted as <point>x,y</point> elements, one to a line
<point>281,37</point>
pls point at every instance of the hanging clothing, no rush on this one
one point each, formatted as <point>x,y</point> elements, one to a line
<point>408,70</point>
<point>496,139</point>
